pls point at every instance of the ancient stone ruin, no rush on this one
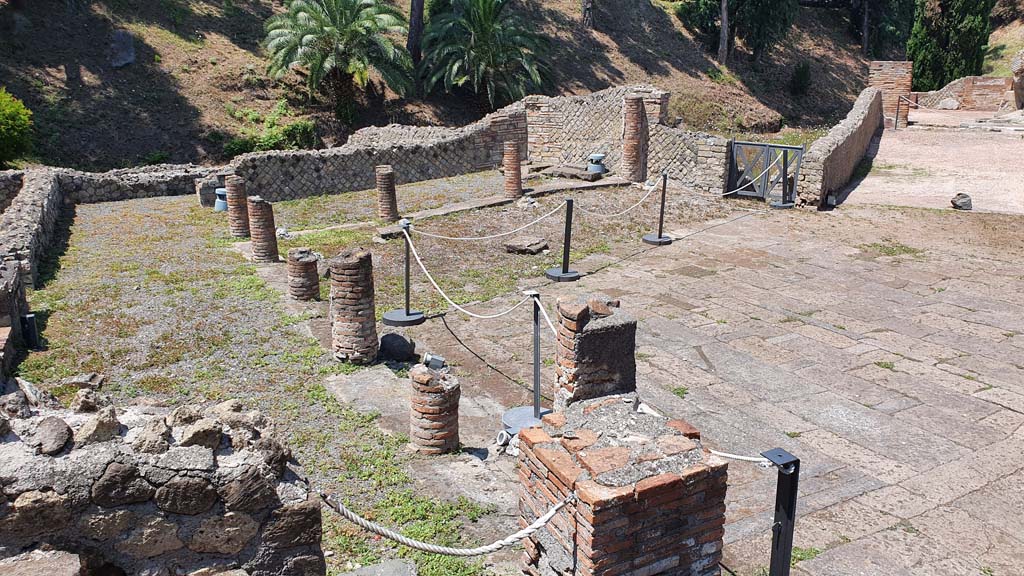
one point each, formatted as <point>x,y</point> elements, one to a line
<point>1017,67</point>
<point>352,310</point>
<point>651,498</point>
<point>387,196</point>
<point>434,417</point>
<point>151,491</point>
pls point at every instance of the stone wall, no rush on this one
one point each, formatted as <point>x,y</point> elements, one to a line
<point>10,185</point>
<point>416,153</point>
<point>12,306</point>
<point>1017,68</point>
<point>831,160</point>
<point>894,79</point>
<point>982,93</point>
<point>29,223</point>
<point>147,182</point>
<point>152,492</point>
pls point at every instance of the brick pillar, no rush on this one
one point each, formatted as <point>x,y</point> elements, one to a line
<point>387,197</point>
<point>1017,69</point>
<point>894,79</point>
<point>303,278</point>
<point>634,139</point>
<point>434,418</point>
<point>263,230</point>
<point>353,313</point>
<point>513,165</point>
<point>651,498</point>
<point>238,213</point>
<point>596,351</point>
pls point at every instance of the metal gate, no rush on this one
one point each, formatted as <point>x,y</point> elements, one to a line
<point>766,171</point>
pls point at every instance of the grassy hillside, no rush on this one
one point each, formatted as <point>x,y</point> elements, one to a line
<point>198,80</point>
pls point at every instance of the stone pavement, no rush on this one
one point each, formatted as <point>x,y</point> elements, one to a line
<point>883,346</point>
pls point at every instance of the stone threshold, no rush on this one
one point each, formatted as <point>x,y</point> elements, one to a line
<point>394,230</point>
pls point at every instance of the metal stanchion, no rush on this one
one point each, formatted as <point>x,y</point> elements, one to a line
<point>521,417</point>
<point>660,239</point>
<point>785,509</point>
<point>406,316</point>
<point>563,274</point>
<point>896,121</point>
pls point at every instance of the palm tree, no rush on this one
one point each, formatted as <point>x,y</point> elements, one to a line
<point>338,43</point>
<point>481,44</point>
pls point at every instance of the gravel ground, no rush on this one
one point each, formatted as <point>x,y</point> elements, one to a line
<point>153,294</point>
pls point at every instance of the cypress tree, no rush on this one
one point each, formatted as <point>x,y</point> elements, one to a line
<point>948,40</point>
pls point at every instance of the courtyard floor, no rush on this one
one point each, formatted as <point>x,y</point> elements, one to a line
<point>881,345</point>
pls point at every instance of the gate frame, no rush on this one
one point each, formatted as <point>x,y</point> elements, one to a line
<point>765,184</point>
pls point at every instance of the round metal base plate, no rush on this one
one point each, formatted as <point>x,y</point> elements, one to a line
<point>400,318</point>
<point>655,240</point>
<point>516,419</point>
<point>557,275</point>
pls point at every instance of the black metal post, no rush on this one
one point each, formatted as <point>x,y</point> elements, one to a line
<point>406,316</point>
<point>896,122</point>
<point>536,356</point>
<point>785,509</point>
<point>660,239</point>
<point>564,274</point>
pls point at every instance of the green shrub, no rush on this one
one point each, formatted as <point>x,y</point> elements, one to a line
<point>701,17</point>
<point>15,128</point>
<point>800,80</point>
<point>435,7</point>
<point>300,134</point>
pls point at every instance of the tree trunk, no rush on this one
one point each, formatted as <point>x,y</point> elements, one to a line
<point>343,86</point>
<point>723,34</point>
<point>587,14</point>
<point>415,41</point>
<point>864,29</point>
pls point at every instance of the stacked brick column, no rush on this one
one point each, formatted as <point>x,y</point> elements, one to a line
<point>635,136</point>
<point>238,213</point>
<point>513,165</point>
<point>1017,68</point>
<point>352,312</point>
<point>387,196</point>
<point>651,499</point>
<point>894,79</point>
<point>434,417</point>
<point>303,278</point>
<point>595,351</point>
<point>263,230</point>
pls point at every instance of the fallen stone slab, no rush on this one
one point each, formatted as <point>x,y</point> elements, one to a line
<point>526,245</point>
<point>573,173</point>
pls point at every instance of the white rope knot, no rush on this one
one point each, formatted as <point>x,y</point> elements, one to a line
<point>446,550</point>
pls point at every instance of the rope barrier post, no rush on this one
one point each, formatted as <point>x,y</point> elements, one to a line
<point>896,122</point>
<point>565,274</point>
<point>406,316</point>
<point>785,509</point>
<point>521,417</point>
<point>660,239</point>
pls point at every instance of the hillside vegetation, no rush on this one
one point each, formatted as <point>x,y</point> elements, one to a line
<point>198,90</point>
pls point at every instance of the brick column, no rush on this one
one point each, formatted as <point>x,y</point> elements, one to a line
<point>434,417</point>
<point>596,350</point>
<point>513,165</point>
<point>651,498</point>
<point>634,139</point>
<point>303,278</point>
<point>238,213</point>
<point>263,230</point>
<point>1017,69</point>
<point>894,79</point>
<point>353,314</point>
<point>387,197</point>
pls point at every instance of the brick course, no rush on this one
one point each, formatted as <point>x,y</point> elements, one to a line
<point>303,277</point>
<point>635,139</point>
<point>513,167</point>
<point>434,411</point>
<point>387,196</point>
<point>262,229</point>
<point>238,210</point>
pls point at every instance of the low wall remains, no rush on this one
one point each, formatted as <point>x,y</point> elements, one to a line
<point>981,93</point>
<point>12,306</point>
<point>153,492</point>
<point>147,182</point>
<point>10,184</point>
<point>27,226</point>
<point>1017,68</point>
<point>416,153</point>
<point>832,159</point>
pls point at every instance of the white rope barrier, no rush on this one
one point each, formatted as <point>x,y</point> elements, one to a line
<point>445,550</point>
<point>758,177</point>
<point>547,319</point>
<point>759,460</point>
<point>922,106</point>
<point>492,236</point>
<point>445,296</point>
<point>617,214</point>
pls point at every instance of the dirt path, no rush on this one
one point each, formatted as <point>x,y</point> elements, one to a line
<point>927,167</point>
